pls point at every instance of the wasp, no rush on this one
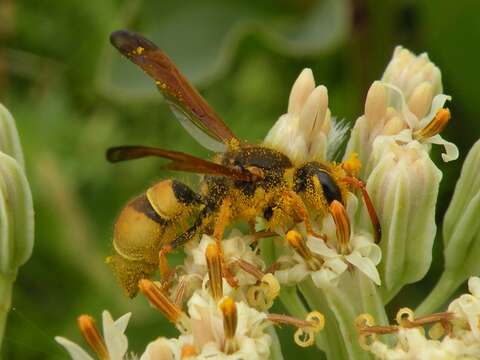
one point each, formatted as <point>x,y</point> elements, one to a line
<point>241,182</point>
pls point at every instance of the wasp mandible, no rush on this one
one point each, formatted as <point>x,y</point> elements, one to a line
<point>240,183</point>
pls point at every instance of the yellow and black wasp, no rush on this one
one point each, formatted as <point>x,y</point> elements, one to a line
<point>241,182</point>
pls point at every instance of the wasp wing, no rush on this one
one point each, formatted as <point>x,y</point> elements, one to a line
<point>188,105</point>
<point>180,161</point>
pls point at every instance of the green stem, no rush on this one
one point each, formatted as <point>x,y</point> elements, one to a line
<point>372,302</point>
<point>5,303</point>
<point>345,315</point>
<point>445,287</point>
<point>275,347</point>
<point>330,338</point>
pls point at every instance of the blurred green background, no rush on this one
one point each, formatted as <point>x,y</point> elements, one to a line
<point>73,97</point>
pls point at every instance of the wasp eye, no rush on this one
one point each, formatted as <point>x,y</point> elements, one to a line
<point>331,191</point>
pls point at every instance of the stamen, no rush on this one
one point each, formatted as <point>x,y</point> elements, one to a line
<point>92,336</point>
<point>296,240</point>
<point>162,303</point>
<point>342,225</point>
<point>250,268</point>
<point>435,126</point>
<point>214,264</point>
<point>305,334</point>
<point>229,311</point>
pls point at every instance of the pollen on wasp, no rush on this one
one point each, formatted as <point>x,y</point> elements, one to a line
<point>92,336</point>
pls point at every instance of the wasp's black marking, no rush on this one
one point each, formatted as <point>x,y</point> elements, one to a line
<point>142,205</point>
<point>184,194</point>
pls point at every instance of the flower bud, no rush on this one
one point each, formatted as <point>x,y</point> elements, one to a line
<point>403,186</point>
<point>417,77</point>
<point>405,105</point>
<point>302,132</point>
<point>16,212</point>
<point>9,140</point>
<point>461,229</point>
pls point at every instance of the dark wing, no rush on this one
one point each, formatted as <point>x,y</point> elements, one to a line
<point>180,161</point>
<point>189,106</point>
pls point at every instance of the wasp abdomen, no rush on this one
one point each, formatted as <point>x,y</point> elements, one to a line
<point>170,197</point>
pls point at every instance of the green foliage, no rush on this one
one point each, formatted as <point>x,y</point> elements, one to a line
<point>73,96</point>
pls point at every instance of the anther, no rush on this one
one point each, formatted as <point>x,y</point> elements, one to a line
<point>229,311</point>
<point>214,265</point>
<point>92,336</point>
<point>298,243</point>
<point>342,225</point>
<point>435,126</point>
<point>162,303</point>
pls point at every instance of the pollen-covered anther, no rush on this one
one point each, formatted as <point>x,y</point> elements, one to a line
<point>342,224</point>
<point>434,127</point>
<point>162,303</point>
<point>307,329</point>
<point>298,243</point>
<point>92,336</point>
<point>214,265</point>
<point>229,311</point>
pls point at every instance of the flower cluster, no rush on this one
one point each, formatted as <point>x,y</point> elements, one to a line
<point>341,258</point>
<point>454,334</point>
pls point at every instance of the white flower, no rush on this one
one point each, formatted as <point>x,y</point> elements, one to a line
<point>235,246</point>
<point>413,345</point>
<point>467,312</point>
<point>208,338</point>
<point>302,133</point>
<point>113,334</point>
<point>364,256</point>
<point>162,349</point>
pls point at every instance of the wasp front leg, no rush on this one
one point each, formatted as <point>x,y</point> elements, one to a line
<point>300,210</point>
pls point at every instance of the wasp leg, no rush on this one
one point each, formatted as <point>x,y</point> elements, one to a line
<point>359,184</point>
<point>221,222</point>
<point>302,212</point>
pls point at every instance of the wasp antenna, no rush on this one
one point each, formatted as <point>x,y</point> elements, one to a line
<point>130,43</point>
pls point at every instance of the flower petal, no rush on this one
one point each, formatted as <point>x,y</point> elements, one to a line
<point>365,265</point>
<point>75,351</point>
<point>115,340</point>
<point>451,150</point>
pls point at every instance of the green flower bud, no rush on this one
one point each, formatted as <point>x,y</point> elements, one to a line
<point>16,212</point>
<point>461,228</point>
<point>9,140</point>
<point>403,185</point>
